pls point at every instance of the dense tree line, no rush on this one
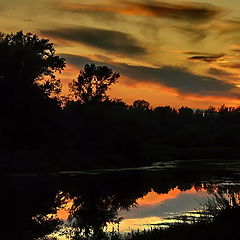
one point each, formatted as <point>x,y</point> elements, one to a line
<point>42,130</point>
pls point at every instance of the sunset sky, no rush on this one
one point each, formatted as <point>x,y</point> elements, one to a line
<point>167,52</point>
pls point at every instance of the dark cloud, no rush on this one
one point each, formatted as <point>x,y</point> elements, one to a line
<point>183,11</point>
<point>27,20</point>
<point>196,53</point>
<point>192,32</point>
<point>196,12</point>
<point>236,50</point>
<point>183,81</point>
<point>207,58</point>
<point>231,65</point>
<point>112,41</point>
<point>228,27</point>
<point>219,72</point>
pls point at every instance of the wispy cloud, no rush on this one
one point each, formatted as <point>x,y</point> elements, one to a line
<point>196,34</point>
<point>231,65</point>
<point>219,72</point>
<point>180,79</point>
<point>207,58</point>
<point>109,40</point>
<point>197,12</point>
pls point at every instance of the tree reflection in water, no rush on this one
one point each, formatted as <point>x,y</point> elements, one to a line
<point>89,214</point>
<point>96,199</point>
<point>91,209</point>
<point>88,217</point>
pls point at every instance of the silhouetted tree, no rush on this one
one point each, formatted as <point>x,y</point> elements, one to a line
<point>167,110</point>
<point>141,105</point>
<point>28,67</point>
<point>33,123</point>
<point>185,113</point>
<point>226,113</point>
<point>27,61</point>
<point>210,113</point>
<point>165,114</point>
<point>93,83</point>
<point>198,115</point>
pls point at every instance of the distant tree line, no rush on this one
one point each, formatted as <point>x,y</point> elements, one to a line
<point>40,129</point>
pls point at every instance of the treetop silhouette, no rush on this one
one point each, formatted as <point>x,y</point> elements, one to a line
<point>27,61</point>
<point>33,127</point>
<point>93,83</point>
<point>141,105</point>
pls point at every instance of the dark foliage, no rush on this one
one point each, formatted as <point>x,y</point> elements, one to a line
<point>92,83</point>
<point>28,123</point>
<point>92,130</point>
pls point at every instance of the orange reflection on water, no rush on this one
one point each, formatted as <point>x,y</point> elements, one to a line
<point>131,222</point>
<point>63,211</point>
<point>153,198</point>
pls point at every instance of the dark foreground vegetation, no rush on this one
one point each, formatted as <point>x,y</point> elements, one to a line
<point>218,229</point>
<point>43,130</point>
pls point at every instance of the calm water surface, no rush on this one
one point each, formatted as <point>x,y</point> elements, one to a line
<point>120,200</point>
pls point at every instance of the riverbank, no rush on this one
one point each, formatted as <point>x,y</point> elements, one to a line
<point>40,161</point>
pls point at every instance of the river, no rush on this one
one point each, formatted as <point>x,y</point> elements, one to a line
<point>69,203</point>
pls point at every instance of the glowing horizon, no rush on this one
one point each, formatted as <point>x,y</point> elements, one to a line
<point>168,53</point>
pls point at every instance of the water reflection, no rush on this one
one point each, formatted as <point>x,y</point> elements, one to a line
<point>155,209</point>
<point>88,205</point>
